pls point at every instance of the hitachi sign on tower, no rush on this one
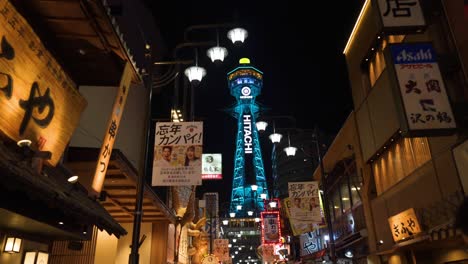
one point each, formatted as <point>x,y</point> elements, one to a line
<point>247,134</point>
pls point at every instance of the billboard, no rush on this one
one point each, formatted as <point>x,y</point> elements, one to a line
<point>421,88</point>
<point>177,154</point>
<point>271,227</point>
<point>305,201</point>
<point>212,167</point>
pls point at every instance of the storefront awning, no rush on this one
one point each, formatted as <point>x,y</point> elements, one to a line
<point>46,205</point>
<point>120,186</point>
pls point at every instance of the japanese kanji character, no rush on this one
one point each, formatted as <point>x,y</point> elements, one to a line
<point>401,9</point>
<point>411,86</point>
<point>433,85</point>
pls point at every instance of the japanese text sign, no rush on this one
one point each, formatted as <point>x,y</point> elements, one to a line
<point>404,225</point>
<point>298,226</point>
<point>421,86</point>
<point>212,167</point>
<point>305,201</point>
<point>309,243</point>
<point>112,128</point>
<point>39,100</point>
<point>401,14</point>
<point>177,153</point>
<point>271,227</point>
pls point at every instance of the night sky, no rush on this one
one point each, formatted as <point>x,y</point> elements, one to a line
<point>298,46</point>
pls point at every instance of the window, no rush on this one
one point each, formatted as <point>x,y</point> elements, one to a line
<point>336,204</point>
<point>401,159</point>
<point>345,197</point>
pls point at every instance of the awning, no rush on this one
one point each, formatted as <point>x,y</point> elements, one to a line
<point>46,204</point>
<point>120,186</point>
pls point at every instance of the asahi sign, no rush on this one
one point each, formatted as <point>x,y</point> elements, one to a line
<point>39,100</point>
<point>247,133</point>
<point>425,100</point>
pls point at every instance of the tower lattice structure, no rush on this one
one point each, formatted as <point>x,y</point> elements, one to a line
<point>245,83</point>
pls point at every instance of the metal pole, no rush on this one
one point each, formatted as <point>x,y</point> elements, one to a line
<point>135,246</point>
<point>325,198</point>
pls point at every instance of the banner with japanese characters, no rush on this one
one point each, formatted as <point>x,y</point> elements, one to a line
<point>309,243</point>
<point>305,200</point>
<point>424,97</point>
<point>178,147</point>
<point>212,167</point>
<point>221,249</point>
<point>271,227</point>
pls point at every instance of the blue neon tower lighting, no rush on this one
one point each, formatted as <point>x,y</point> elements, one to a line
<point>245,83</point>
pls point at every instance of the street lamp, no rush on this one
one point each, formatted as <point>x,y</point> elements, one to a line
<point>290,151</point>
<point>237,35</point>
<point>196,73</point>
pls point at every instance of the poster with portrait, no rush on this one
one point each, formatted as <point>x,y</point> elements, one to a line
<point>271,227</point>
<point>298,227</point>
<point>221,249</point>
<point>305,202</point>
<point>178,148</point>
<point>212,167</point>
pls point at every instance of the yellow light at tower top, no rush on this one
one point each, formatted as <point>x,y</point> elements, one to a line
<point>244,61</point>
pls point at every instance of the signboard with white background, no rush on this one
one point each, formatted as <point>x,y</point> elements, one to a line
<point>422,89</point>
<point>401,14</point>
<point>212,167</point>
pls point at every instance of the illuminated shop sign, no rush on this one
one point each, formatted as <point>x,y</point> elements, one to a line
<point>423,94</point>
<point>40,102</point>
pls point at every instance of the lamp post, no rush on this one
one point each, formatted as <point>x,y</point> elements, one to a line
<point>275,139</point>
<point>136,242</point>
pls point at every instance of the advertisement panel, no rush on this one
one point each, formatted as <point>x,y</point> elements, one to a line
<point>305,201</point>
<point>297,226</point>
<point>212,167</point>
<point>271,227</point>
<point>421,87</point>
<point>177,153</point>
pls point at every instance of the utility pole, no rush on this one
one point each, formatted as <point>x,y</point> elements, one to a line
<point>325,197</point>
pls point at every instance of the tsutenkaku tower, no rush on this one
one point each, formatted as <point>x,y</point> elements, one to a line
<point>245,84</point>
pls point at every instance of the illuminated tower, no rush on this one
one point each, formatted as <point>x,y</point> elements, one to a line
<point>245,83</point>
